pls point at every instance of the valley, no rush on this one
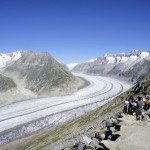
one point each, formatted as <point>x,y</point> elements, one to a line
<point>22,118</point>
<point>39,93</point>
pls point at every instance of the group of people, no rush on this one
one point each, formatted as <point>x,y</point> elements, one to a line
<point>136,105</point>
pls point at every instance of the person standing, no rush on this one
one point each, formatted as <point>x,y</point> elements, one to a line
<point>126,106</point>
<point>139,108</point>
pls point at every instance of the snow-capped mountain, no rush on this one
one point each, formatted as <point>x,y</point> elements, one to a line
<point>71,66</point>
<point>121,58</point>
<point>26,75</point>
<point>118,58</point>
<point>91,60</point>
<point>6,59</point>
<point>132,66</point>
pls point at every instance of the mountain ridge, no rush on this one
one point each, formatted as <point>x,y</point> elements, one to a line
<point>37,75</point>
<point>124,66</point>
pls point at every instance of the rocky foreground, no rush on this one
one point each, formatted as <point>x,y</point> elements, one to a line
<point>134,135</point>
<point>128,134</point>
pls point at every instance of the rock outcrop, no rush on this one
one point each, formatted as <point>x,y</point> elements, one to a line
<point>6,83</point>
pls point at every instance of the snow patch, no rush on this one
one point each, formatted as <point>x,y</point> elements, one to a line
<point>91,60</point>
<point>71,66</point>
<point>59,62</point>
<point>8,58</point>
<point>118,59</point>
<point>133,57</point>
<point>16,56</point>
<point>111,60</point>
<point>4,59</point>
<point>144,54</point>
<point>124,59</point>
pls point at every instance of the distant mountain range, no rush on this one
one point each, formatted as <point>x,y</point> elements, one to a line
<point>71,66</point>
<point>132,67</point>
<point>25,75</point>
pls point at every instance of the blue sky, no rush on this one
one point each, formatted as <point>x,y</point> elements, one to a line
<point>74,30</point>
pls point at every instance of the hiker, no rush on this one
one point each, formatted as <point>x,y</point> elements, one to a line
<point>147,103</point>
<point>130,109</point>
<point>134,106</point>
<point>139,108</point>
<point>126,105</point>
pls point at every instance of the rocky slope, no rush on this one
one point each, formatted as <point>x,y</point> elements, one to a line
<point>6,83</point>
<point>37,75</point>
<point>9,91</point>
<point>132,67</point>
